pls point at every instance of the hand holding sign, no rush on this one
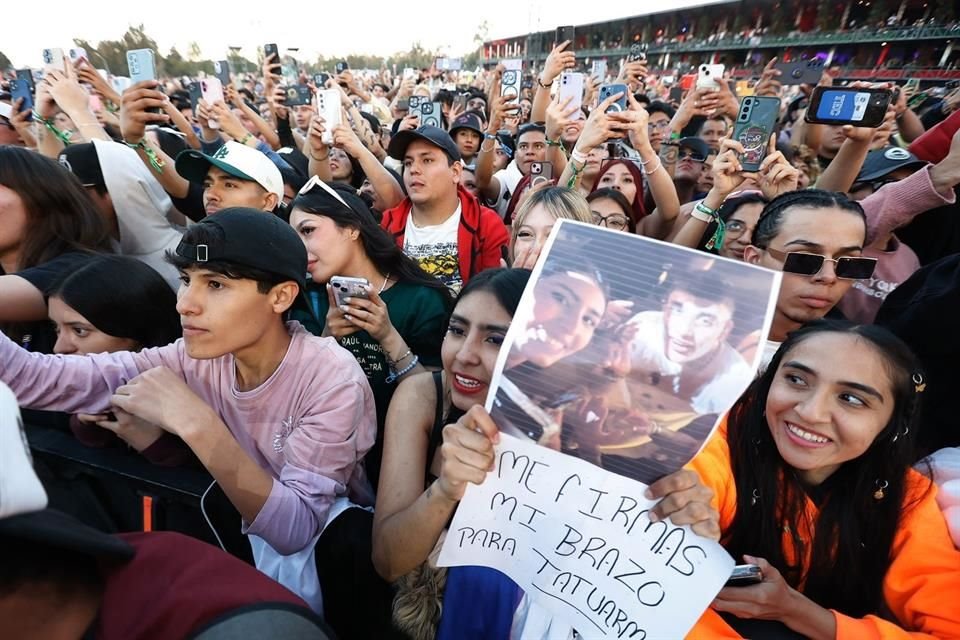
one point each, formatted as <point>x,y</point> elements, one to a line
<point>467,452</point>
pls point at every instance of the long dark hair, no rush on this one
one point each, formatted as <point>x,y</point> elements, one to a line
<point>626,208</point>
<point>379,245</point>
<point>851,548</point>
<point>61,216</point>
<point>125,298</point>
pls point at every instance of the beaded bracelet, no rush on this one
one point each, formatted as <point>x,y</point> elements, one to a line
<point>396,375</point>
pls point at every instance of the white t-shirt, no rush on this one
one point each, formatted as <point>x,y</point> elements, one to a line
<point>714,395</point>
<point>508,178</point>
<point>435,249</point>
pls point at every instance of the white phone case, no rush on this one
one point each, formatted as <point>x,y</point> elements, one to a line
<point>211,90</point>
<point>328,107</point>
<point>53,59</point>
<point>709,76</point>
<point>571,85</point>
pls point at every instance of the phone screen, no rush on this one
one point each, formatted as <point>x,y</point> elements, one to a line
<point>843,105</point>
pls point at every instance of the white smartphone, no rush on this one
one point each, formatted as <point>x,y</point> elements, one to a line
<point>78,54</point>
<point>571,85</point>
<point>328,108</point>
<point>709,76</point>
<point>53,60</point>
<point>346,287</point>
<point>211,90</point>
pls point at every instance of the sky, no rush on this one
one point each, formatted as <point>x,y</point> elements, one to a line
<point>368,26</point>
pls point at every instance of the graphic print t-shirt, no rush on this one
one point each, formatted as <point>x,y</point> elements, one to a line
<point>435,249</point>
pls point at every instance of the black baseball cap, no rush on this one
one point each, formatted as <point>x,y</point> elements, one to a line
<point>469,120</point>
<point>880,162</point>
<point>252,238</point>
<point>434,135</point>
<point>82,161</point>
<point>697,145</point>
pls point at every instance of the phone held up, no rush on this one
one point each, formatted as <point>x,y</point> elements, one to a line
<point>571,86</point>
<point>23,87</point>
<point>845,105</point>
<point>346,287</point>
<point>540,172</point>
<point>609,90</point>
<point>638,52</point>
<point>755,124</point>
<point>328,108</point>
<point>745,575</point>
<point>141,65</point>
<point>563,34</point>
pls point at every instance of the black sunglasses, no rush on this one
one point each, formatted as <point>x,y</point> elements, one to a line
<point>687,153</point>
<point>810,264</point>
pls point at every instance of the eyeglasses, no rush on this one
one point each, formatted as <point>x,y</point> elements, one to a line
<point>663,124</point>
<point>613,221</point>
<point>688,153</point>
<point>810,264</point>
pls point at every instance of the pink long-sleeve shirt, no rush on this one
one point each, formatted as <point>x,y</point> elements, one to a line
<point>309,425</point>
<point>889,208</point>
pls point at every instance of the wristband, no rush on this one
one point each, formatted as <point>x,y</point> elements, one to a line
<point>578,156</point>
<point>554,143</point>
<point>246,139</point>
<point>491,148</point>
<point>674,136</point>
<point>543,86</point>
<point>489,136</point>
<point>155,161</point>
<point>703,213</point>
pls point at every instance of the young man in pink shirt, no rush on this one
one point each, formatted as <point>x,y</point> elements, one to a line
<point>279,417</point>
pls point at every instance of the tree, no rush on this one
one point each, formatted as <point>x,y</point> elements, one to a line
<point>5,62</point>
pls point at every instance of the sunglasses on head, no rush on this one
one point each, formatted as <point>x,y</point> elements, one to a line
<point>315,182</point>
<point>810,264</point>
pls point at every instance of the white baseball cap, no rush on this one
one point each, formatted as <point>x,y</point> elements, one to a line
<point>236,159</point>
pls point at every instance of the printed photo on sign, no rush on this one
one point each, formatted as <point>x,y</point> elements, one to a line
<point>625,351</point>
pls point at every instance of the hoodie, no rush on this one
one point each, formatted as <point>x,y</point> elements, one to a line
<point>142,208</point>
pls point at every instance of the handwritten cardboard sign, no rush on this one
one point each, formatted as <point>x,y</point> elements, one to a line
<point>581,542</point>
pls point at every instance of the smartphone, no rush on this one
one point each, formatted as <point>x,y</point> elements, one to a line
<point>510,84</point>
<point>77,54</point>
<point>320,80</point>
<point>195,94</point>
<point>460,102</point>
<point>141,65</point>
<point>211,90</point>
<point>709,76</point>
<point>571,85</point>
<point>346,287</point>
<point>563,34</point>
<point>431,114</point>
<point>598,71</point>
<point>297,95</point>
<point>271,49</point>
<point>19,88</point>
<point>403,104</point>
<point>912,83</point>
<point>342,66</point>
<point>540,172</point>
<point>290,70</point>
<point>53,60</point>
<point>755,124</point>
<point>26,76</point>
<point>328,108</point>
<point>638,52</point>
<point>222,70</point>
<point>841,105</point>
<point>413,103</point>
<point>676,95</point>
<point>802,72</point>
<point>745,575</point>
<point>608,90</point>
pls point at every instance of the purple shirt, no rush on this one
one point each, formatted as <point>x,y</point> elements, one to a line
<point>309,425</point>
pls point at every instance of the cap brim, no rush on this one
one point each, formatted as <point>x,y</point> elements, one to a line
<point>879,173</point>
<point>56,529</point>
<point>193,166</point>
<point>466,126</point>
<point>399,143</point>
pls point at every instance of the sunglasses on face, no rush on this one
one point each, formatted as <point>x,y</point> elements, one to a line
<point>810,264</point>
<point>687,153</point>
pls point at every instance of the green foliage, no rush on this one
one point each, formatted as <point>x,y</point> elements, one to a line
<point>5,62</point>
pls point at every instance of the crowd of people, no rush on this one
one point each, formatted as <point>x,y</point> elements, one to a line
<point>311,312</point>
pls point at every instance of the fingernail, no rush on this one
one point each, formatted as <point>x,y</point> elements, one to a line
<point>654,517</point>
<point>648,494</point>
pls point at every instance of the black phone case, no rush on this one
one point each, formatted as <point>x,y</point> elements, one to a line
<point>875,113</point>
<point>803,72</point>
<point>298,94</point>
<point>271,49</point>
<point>754,128</point>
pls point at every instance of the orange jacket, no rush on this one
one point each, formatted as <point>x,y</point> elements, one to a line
<point>922,585</point>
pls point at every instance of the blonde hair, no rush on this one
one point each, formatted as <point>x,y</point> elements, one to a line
<point>560,202</point>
